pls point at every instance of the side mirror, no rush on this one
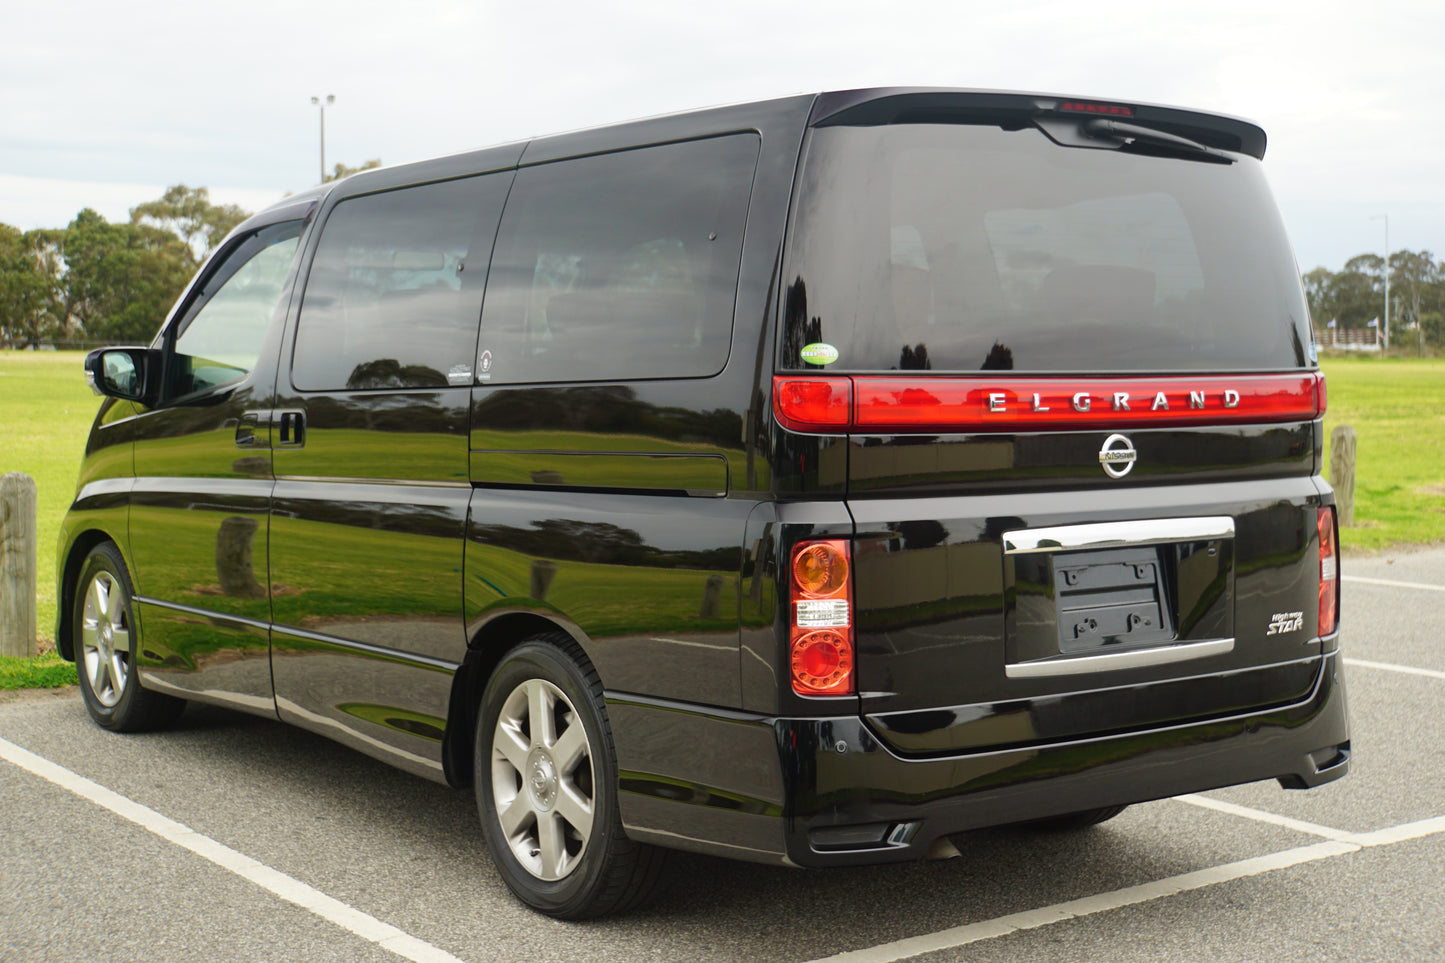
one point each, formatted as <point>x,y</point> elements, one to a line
<point>131,374</point>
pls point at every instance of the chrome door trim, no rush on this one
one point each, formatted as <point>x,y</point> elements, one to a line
<point>1114,661</point>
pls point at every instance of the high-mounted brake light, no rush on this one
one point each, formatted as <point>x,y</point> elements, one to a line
<point>1329,571</point>
<point>821,632</point>
<point>935,404</point>
<point>1082,107</point>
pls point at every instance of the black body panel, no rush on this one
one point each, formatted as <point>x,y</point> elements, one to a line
<point>833,794</point>
<point>357,654</point>
<point>198,532</point>
<point>912,465</point>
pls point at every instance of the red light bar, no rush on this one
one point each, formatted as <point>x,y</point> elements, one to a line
<point>813,404</point>
<point>1111,110</point>
<point>877,403</point>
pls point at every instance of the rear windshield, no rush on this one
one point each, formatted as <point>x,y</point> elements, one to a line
<point>965,248</point>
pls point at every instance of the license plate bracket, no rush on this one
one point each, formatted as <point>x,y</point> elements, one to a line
<point>1110,599</point>
<point>1075,596</point>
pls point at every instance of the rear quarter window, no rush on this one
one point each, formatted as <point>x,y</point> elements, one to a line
<point>619,266</point>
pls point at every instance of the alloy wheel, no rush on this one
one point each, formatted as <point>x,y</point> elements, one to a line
<point>542,779</point>
<point>105,639</point>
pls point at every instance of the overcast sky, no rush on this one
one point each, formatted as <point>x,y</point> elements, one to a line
<point>105,104</point>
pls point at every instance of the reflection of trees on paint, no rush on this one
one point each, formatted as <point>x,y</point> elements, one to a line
<point>601,543</point>
<point>605,409</point>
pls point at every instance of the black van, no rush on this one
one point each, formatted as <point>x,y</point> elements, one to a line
<point>805,481</point>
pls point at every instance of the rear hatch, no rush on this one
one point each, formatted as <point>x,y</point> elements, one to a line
<point>1071,349</point>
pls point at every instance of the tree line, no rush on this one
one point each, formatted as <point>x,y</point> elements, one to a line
<point>93,280</point>
<point>97,281</point>
<point>1355,296</point>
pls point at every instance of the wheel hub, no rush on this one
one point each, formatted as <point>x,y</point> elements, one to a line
<point>542,779</point>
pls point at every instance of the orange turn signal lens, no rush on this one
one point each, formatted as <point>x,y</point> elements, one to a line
<point>821,568</point>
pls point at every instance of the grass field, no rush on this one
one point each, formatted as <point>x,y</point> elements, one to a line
<point>45,415</point>
<point>1396,406</point>
<point>49,671</point>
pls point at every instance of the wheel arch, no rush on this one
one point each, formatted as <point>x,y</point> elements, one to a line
<point>80,548</point>
<point>490,642</point>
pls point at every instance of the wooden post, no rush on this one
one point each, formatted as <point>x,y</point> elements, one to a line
<point>18,555</point>
<point>1342,472</point>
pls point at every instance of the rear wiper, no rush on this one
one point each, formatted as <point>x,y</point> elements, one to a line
<point>1136,134</point>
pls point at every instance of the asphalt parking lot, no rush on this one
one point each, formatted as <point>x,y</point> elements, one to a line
<point>236,838</point>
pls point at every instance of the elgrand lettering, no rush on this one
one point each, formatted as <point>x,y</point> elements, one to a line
<point>1082,402</point>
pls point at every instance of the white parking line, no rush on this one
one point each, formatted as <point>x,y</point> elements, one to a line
<point>1273,819</point>
<point>1089,905</point>
<point>1143,893</point>
<point>1393,584</point>
<point>1392,667</point>
<point>1404,832</point>
<point>274,881</point>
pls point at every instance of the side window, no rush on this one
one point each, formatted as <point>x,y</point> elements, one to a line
<point>220,342</point>
<point>395,288</point>
<point>619,266</point>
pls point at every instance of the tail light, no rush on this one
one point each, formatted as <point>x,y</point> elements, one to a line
<point>820,597</point>
<point>813,404</point>
<point>940,403</point>
<point>1329,571</point>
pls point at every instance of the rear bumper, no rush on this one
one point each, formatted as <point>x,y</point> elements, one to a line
<point>827,792</point>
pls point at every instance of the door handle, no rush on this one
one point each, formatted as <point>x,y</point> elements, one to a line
<point>291,428</point>
<point>253,429</point>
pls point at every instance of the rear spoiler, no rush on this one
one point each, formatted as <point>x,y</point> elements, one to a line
<point>877,107</point>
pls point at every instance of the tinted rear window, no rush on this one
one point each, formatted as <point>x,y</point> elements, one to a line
<point>965,248</point>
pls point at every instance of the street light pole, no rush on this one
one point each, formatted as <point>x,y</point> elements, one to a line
<point>1386,218</point>
<point>317,101</point>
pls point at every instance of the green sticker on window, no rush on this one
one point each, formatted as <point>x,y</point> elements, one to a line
<point>819,353</point>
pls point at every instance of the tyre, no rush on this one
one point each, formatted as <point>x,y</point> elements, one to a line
<point>546,781</point>
<point>1070,822</point>
<point>106,640</point>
